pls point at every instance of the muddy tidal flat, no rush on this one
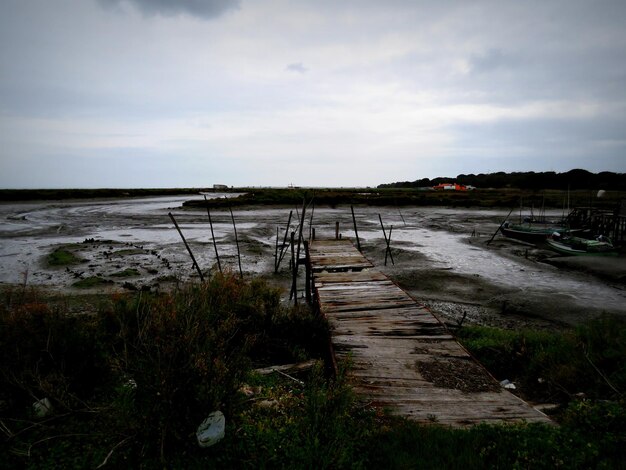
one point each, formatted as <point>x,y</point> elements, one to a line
<point>441,255</point>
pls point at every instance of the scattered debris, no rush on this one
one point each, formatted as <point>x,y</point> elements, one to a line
<point>267,404</point>
<point>506,383</point>
<point>211,430</point>
<point>460,374</point>
<point>42,408</point>
<point>299,367</point>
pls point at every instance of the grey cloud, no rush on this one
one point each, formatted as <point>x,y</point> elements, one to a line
<point>297,67</point>
<point>488,61</point>
<point>200,8</point>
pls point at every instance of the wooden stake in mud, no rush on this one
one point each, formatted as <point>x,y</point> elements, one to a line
<point>500,227</point>
<point>195,263</point>
<point>388,250</point>
<point>294,269</point>
<point>311,229</point>
<point>356,232</point>
<point>395,201</point>
<point>217,255</point>
<point>300,234</point>
<point>283,249</point>
<point>337,230</point>
<point>236,241</point>
<point>276,253</point>
<point>307,272</point>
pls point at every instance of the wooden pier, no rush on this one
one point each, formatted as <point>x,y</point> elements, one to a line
<point>402,357</point>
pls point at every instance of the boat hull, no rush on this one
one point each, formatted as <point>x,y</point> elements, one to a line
<point>581,248</point>
<point>529,234</point>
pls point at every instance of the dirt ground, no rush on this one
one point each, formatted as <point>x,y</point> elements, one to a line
<point>441,255</point>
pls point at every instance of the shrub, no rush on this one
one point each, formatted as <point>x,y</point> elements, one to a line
<point>187,353</point>
<point>588,359</point>
<point>45,352</point>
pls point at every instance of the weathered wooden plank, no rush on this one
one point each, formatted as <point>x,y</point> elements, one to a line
<point>349,277</point>
<point>387,334</point>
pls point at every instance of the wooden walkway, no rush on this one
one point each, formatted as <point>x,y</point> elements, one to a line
<point>403,358</point>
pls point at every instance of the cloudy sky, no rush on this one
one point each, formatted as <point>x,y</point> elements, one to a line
<point>173,93</point>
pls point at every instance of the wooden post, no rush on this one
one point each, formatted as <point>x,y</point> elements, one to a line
<point>313,233</point>
<point>388,249</point>
<point>294,270</point>
<point>195,263</point>
<point>219,265</point>
<point>236,241</point>
<point>283,248</point>
<point>311,229</point>
<point>300,234</point>
<point>356,232</point>
<point>337,230</point>
<point>276,252</point>
<point>499,228</point>
<point>307,266</point>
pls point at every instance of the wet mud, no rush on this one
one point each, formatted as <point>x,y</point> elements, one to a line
<point>440,255</point>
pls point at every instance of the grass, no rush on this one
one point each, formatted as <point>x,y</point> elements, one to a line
<point>128,272</point>
<point>134,380</point>
<point>483,197</point>
<point>556,366</point>
<point>63,257</point>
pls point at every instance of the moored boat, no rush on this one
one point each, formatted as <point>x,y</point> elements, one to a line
<point>532,233</point>
<point>576,246</point>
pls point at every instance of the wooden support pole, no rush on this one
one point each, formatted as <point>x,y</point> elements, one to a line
<point>307,266</point>
<point>195,263</point>
<point>388,249</point>
<point>337,230</point>
<point>276,252</point>
<point>356,232</point>
<point>236,242</point>
<point>283,249</point>
<point>294,270</point>
<point>300,234</point>
<point>499,228</point>
<point>217,255</point>
<point>313,233</point>
<point>311,229</point>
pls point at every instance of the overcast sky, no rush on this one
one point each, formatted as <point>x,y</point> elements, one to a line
<point>180,93</point>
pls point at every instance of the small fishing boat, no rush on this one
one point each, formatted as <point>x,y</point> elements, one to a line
<point>529,232</point>
<point>576,246</point>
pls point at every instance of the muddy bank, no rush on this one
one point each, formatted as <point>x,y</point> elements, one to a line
<point>441,255</point>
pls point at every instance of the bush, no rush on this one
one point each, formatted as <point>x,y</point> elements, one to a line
<point>183,355</point>
<point>45,352</point>
<point>588,359</point>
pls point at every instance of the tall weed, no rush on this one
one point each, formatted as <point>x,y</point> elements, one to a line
<point>589,359</point>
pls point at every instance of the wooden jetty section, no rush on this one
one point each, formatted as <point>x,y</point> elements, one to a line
<point>403,358</point>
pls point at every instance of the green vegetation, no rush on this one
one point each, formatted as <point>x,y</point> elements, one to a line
<point>128,272</point>
<point>556,366</point>
<point>481,197</point>
<point>131,382</point>
<point>63,257</point>
<point>573,179</point>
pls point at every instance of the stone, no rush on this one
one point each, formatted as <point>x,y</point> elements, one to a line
<point>211,430</point>
<point>42,408</point>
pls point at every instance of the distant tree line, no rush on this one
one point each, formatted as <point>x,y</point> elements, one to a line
<point>573,179</point>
